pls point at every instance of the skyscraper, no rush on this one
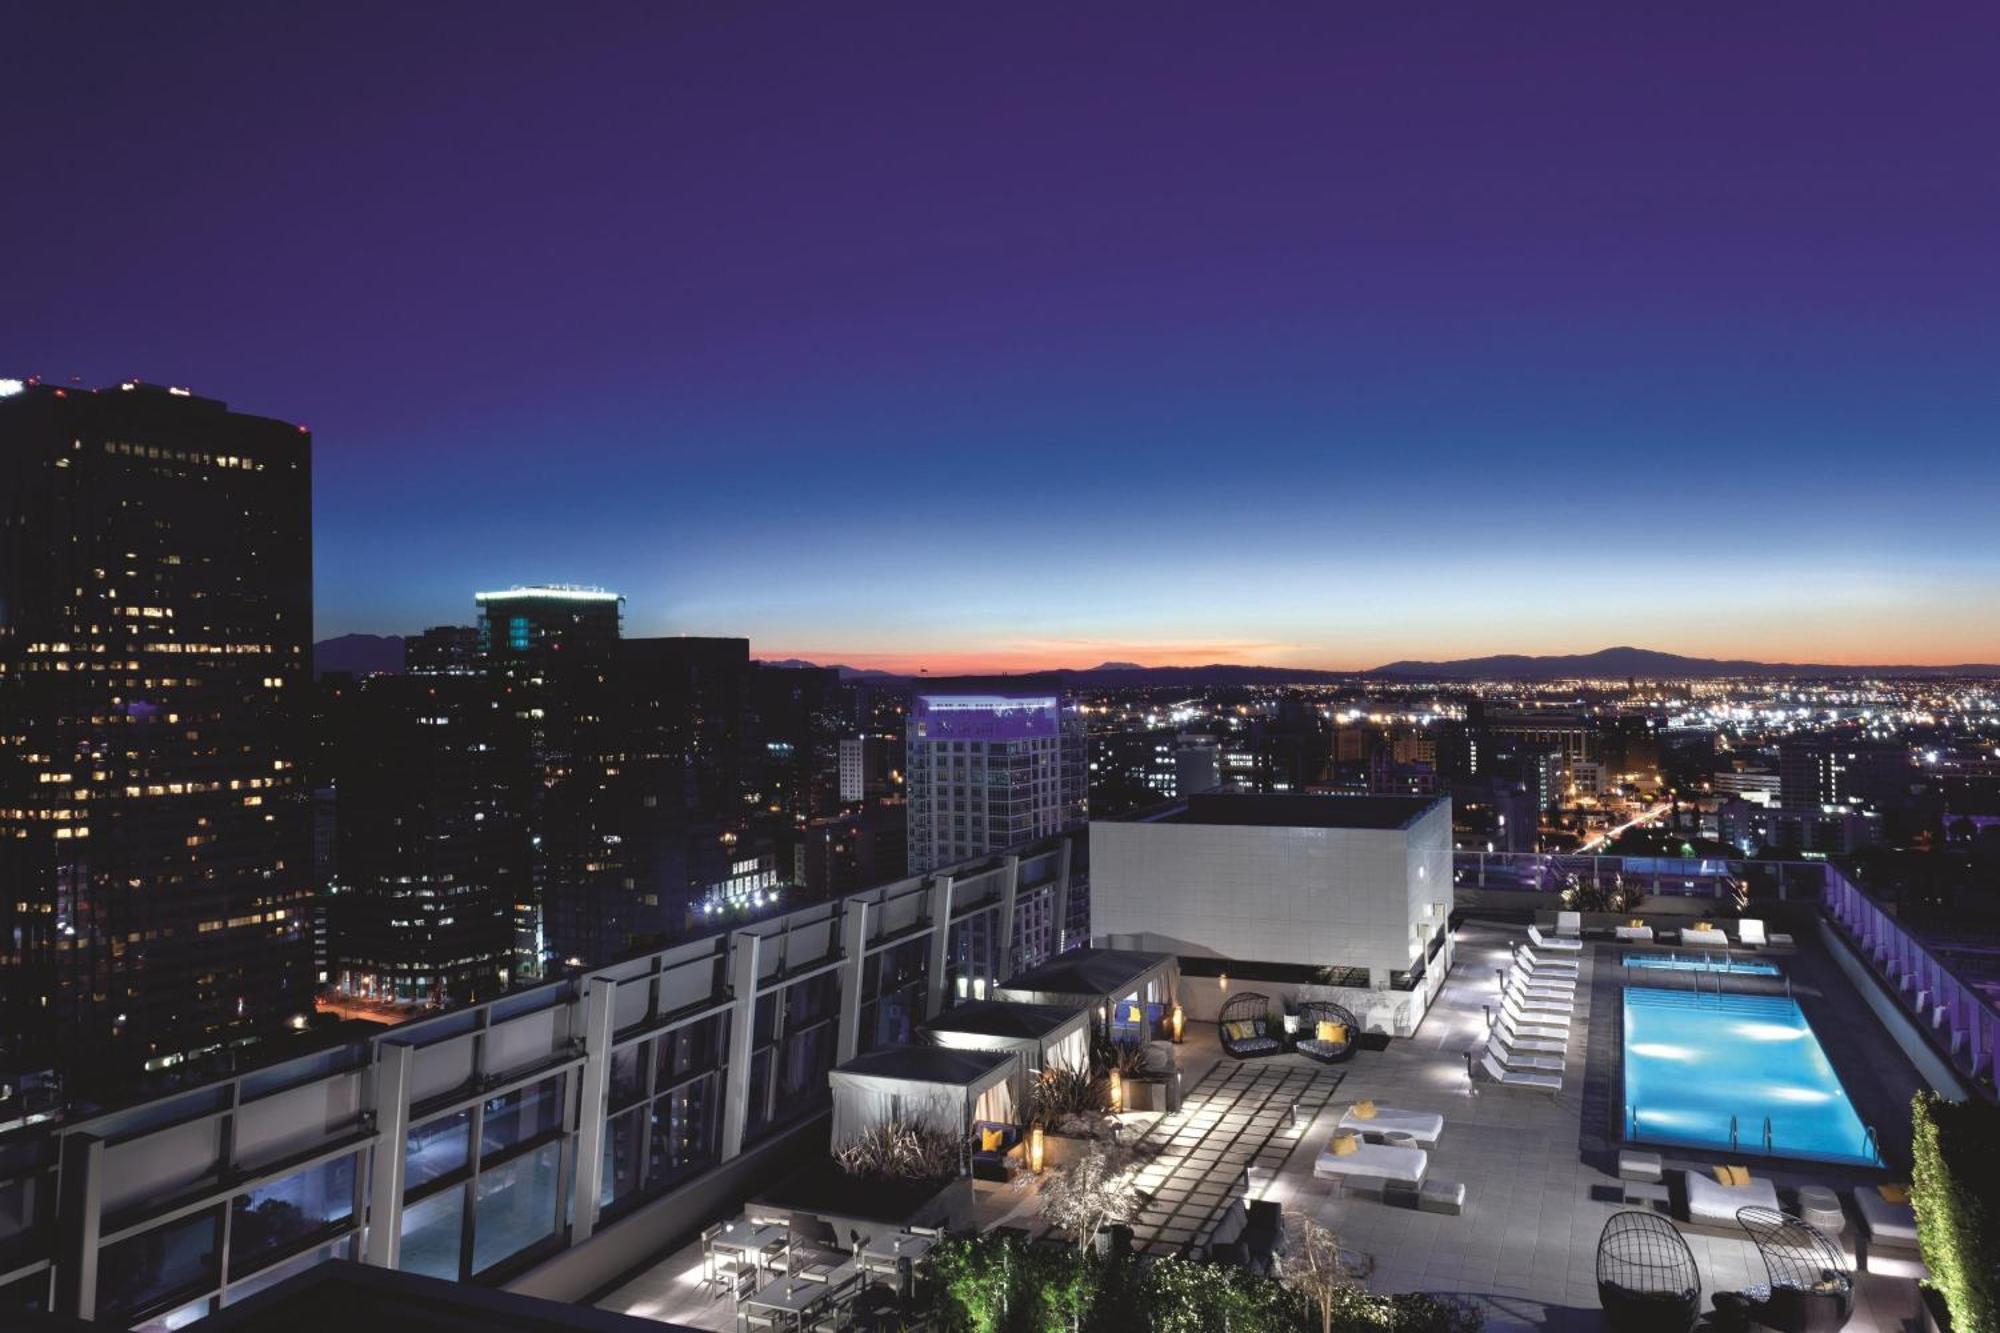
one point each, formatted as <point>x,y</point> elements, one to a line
<point>992,762</point>
<point>155,626</point>
<point>549,649</point>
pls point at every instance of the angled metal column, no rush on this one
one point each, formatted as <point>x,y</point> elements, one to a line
<point>384,1244</point>
<point>597,1014</point>
<point>1003,952</point>
<point>744,947</point>
<point>940,945</point>
<point>853,945</point>
<point>1059,936</point>
<point>79,1218</point>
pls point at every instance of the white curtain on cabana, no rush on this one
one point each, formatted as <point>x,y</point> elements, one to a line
<point>1071,1050</point>
<point>858,1106</point>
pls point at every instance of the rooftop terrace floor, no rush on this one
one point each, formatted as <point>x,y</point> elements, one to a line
<point>1539,1171</point>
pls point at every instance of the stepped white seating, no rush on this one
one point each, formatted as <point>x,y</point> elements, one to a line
<point>1553,1022</point>
<point>1751,934</point>
<point>1515,1059</point>
<point>1713,939</point>
<point>1640,934</point>
<point>1715,1205</point>
<point>1537,963</point>
<point>1569,924</point>
<point>1554,943</point>
<point>1517,1038</point>
<point>1507,1078</point>
<point>1552,981</point>
<point>1423,1126</point>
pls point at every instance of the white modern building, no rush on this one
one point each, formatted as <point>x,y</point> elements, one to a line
<point>1285,894</point>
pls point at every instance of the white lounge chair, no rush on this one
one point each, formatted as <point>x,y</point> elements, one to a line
<point>1751,934</point>
<point>1507,1078</point>
<point>1373,1161</point>
<point>1553,943</point>
<point>1532,1002</point>
<point>1569,924</point>
<point>1535,962</point>
<point>1553,981</point>
<point>1552,1064</point>
<point>1423,1126</point>
<point>1712,939</point>
<point>1889,1226</point>
<point>1634,934</point>
<point>1716,1205</point>
<point>1552,1022</point>
<point>1515,1037</point>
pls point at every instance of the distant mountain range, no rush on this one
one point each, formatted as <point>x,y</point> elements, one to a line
<point>1644,663</point>
<point>363,654</point>
<point>360,654</point>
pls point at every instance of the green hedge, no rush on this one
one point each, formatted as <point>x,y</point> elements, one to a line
<point>1955,1189</point>
<point>988,1285</point>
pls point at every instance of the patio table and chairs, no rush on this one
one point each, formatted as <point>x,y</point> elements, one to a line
<point>797,1302</point>
<point>882,1253</point>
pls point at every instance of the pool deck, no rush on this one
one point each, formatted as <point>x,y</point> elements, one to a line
<point>1539,1171</point>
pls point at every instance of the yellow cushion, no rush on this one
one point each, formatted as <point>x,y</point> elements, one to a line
<point>1363,1110</point>
<point>1703,925</point>
<point>1330,1031</point>
<point>1135,1015</point>
<point>1726,1175</point>
<point>1739,1175</point>
<point>990,1140</point>
<point>1898,1194</point>
<point>1345,1144</point>
<point>1635,923</point>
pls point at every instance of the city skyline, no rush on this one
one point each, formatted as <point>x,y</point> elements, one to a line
<point>1317,339</point>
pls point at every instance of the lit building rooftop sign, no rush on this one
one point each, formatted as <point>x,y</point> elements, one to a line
<point>550,592</point>
<point>996,717</point>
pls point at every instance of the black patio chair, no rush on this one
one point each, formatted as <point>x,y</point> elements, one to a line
<point>1811,1288</point>
<point>1647,1279</point>
<point>1327,1032</point>
<point>1245,1025</point>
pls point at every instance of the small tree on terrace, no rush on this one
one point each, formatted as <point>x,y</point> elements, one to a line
<point>1092,1192</point>
<point>1313,1264</point>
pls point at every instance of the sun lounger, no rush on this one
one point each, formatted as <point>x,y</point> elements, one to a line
<point>1555,981</point>
<point>1507,1078</point>
<point>1374,1161</point>
<point>1640,934</point>
<point>1529,1037</point>
<point>1536,962</point>
<point>1751,934</point>
<point>1713,1204</point>
<point>1536,1005</point>
<point>1569,924</point>
<point>1553,943</point>
<point>1890,1226</point>
<point>1423,1126</point>
<point>1555,1021</point>
<point>1712,939</point>
<point>1517,1059</point>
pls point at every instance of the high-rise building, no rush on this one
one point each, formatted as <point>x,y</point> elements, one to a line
<point>549,649</point>
<point>155,640</point>
<point>431,848</point>
<point>443,650</point>
<point>992,763</point>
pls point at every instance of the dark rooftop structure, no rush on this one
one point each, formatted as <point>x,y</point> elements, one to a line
<point>1103,972</point>
<point>926,1064</point>
<point>1001,1018</point>
<point>1295,811</point>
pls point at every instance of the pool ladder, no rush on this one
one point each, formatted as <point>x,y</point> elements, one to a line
<point>1735,1136</point>
<point>1870,1147</point>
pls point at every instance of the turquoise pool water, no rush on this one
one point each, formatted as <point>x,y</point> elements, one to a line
<point>1693,1061</point>
<point>1670,962</point>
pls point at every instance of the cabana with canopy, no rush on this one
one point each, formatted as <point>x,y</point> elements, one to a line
<point>932,1086</point>
<point>1039,1036</point>
<point>1128,993</point>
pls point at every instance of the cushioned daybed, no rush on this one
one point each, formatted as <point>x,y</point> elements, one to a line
<point>1327,1032</point>
<point>1716,1205</point>
<point>1423,1126</point>
<point>1374,1161</point>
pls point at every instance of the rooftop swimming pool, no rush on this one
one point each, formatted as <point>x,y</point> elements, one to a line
<point>1695,1063</point>
<point>1672,962</point>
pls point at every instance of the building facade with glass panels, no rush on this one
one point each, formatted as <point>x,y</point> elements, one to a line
<point>545,1141</point>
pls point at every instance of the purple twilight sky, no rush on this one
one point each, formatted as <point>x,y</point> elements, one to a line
<point>1010,335</point>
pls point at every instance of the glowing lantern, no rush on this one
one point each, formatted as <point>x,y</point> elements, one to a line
<point>1036,1149</point>
<point>1179,1024</point>
<point>1117,1092</point>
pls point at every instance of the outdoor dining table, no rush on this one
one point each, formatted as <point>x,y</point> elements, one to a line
<point>794,1296</point>
<point>882,1251</point>
<point>747,1240</point>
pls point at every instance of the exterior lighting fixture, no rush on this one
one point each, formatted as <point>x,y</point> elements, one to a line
<point>1222,981</point>
<point>1037,1150</point>
<point>1117,1092</point>
<point>1179,1023</point>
